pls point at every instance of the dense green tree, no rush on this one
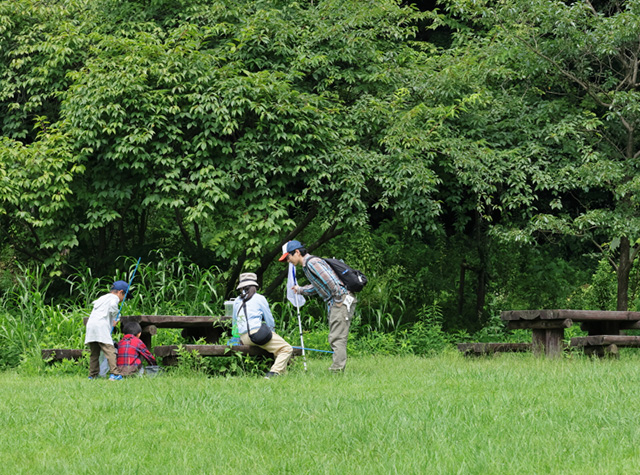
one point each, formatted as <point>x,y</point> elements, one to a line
<point>227,126</point>
<point>550,145</point>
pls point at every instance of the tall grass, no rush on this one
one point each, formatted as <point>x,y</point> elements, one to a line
<point>166,286</point>
<point>503,415</point>
<point>172,286</point>
<point>31,320</point>
<point>28,323</point>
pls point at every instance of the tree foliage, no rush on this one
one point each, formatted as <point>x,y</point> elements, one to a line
<point>227,127</point>
<point>555,146</point>
<point>222,129</point>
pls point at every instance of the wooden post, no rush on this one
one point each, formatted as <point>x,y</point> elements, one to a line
<point>538,341</point>
<point>553,342</point>
<point>147,332</point>
<point>169,360</point>
<point>547,342</point>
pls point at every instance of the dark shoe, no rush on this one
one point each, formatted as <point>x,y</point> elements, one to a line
<point>336,371</point>
<point>271,374</point>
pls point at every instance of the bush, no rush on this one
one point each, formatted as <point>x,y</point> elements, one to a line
<point>192,363</point>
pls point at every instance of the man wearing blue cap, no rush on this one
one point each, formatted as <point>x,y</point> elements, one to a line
<point>99,328</point>
<point>326,284</point>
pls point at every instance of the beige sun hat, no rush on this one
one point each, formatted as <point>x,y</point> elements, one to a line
<point>247,279</point>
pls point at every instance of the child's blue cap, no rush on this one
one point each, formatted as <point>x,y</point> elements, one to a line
<point>120,285</point>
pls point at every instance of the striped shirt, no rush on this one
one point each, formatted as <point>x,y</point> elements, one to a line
<point>324,282</point>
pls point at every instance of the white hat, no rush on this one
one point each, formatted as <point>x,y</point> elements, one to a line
<point>247,279</point>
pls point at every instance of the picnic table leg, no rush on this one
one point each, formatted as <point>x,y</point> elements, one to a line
<point>594,351</point>
<point>554,342</point>
<point>169,360</point>
<point>547,341</point>
<point>147,332</point>
<point>538,341</point>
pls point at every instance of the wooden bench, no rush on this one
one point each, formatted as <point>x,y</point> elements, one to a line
<point>169,353</point>
<point>605,345</point>
<point>480,349</point>
<point>58,354</point>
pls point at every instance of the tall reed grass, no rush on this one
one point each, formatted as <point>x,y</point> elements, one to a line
<point>166,286</point>
<point>28,322</point>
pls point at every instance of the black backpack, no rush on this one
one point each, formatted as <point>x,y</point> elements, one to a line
<point>353,279</point>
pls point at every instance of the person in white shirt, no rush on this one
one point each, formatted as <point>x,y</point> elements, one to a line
<point>249,310</point>
<point>99,328</point>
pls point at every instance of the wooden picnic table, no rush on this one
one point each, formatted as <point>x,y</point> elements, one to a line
<point>548,327</point>
<point>193,327</point>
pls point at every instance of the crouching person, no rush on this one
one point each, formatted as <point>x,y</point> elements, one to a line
<point>131,350</point>
<point>249,310</point>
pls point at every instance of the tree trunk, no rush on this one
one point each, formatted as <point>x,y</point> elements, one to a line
<point>121,234</point>
<point>463,268</point>
<point>230,291</point>
<point>102,242</point>
<point>183,230</point>
<point>483,276</point>
<point>142,227</point>
<point>196,232</point>
<point>481,293</point>
<point>623,271</point>
<point>268,258</point>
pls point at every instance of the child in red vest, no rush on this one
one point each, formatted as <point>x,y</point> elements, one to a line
<point>131,350</point>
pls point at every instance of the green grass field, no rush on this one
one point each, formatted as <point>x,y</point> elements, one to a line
<point>508,414</point>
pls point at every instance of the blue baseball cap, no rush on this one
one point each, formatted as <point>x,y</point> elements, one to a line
<point>120,285</point>
<point>290,247</point>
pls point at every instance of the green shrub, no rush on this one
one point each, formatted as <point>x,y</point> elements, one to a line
<point>191,363</point>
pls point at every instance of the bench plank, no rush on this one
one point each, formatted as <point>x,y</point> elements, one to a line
<point>576,315</point>
<point>179,321</point>
<point>209,350</point>
<point>606,340</point>
<point>165,351</point>
<point>169,353</point>
<point>527,314</point>
<point>62,354</point>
